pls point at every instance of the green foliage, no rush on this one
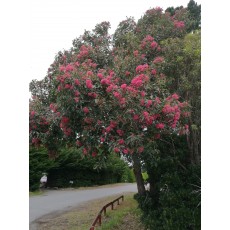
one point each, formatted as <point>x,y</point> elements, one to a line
<point>182,67</point>
<point>174,201</point>
<point>128,175</point>
<point>178,206</point>
<point>39,163</point>
<point>145,176</point>
<point>71,165</point>
<point>194,15</point>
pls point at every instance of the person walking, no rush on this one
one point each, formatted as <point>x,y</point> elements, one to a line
<point>43,180</point>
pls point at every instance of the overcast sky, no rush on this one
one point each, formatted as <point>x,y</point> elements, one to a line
<point>55,23</point>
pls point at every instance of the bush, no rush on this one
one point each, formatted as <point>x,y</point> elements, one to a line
<point>70,165</point>
<point>128,175</point>
<point>39,163</point>
<point>178,206</point>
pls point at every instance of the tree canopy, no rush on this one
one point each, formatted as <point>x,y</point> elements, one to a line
<point>111,93</point>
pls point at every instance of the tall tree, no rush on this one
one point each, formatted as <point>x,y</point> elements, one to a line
<point>183,69</point>
<point>105,100</point>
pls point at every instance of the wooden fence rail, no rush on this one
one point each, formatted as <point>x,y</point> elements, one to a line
<point>98,218</point>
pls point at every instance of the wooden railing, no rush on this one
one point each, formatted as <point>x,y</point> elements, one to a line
<point>103,210</point>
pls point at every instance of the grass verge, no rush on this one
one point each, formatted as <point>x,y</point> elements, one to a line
<point>124,216</point>
<point>35,193</point>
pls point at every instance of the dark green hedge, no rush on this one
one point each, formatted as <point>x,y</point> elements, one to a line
<point>71,165</point>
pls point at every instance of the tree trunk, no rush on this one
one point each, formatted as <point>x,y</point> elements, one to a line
<point>138,175</point>
<point>194,146</point>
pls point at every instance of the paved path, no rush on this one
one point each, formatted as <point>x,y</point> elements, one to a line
<point>53,201</point>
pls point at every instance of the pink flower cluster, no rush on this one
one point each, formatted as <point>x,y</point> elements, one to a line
<point>158,60</point>
<point>84,51</point>
<point>85,110</point>
<point>64,126</point>
<point>179,24</point>
<point>147,41</point>
<point>139,80</point>
<point>148,118</point>
<point>120,132</point>
<point>67,68</point>
<point>160,126</point>
<point>154,45</point>
<point>32,113</point>
<point>142,68</point>
<point>89,84</point>
<point>135,53</point>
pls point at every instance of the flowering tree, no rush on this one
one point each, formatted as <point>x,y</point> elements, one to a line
<point>116,106</point>
<point>183,57</point>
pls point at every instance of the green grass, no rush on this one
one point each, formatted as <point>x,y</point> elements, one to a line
<point>125,216</point>
<point>35,193</point>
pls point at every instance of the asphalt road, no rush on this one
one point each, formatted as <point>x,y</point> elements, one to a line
<point>54,201</point>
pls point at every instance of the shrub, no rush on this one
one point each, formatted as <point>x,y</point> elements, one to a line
<point>71,165</point>
<point>178,207</point>
<point>39,162</point>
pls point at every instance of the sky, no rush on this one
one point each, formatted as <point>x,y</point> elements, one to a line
<point>55,23</point>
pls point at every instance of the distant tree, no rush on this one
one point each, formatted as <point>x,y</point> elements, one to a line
<point>194,15</point>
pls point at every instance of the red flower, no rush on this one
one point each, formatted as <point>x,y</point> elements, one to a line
<point>123,86</point>
<point>121,142</point>
<point>160,126</point>
<point>69,68</point>
<point>113,124</point>
<point>154,72</point>
<point>142,93</point>
<point>125,151</point>
<point>108,129</point>
<point>76,93</point>
<point>62,68</point>
<point>85,110</point>
<point>77,82</point>
<point>65,120</point>
<point>142,68</point>
<point>140,149</point>
<point>135,53</point>
<point>89,73</point>
<point>120,132</point>
<point>137,82</point>
<point>149,103</point>
<point>76,99</point>
<point>179,24</point>
<point>32,113</point>
<point>89,84</point>
<point>102,139</point>
<point>117,95</point>
<point>127,73</point>
<point>68,86</point>
<point>93,95</point>
<point>85,152</point>
<point>135,117</point>
<point>116,150</point>
<point>100,75</point>
<point>94,154</point>
<point>175,96</point>
<point>158,60</point>
<point>153,45</point>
